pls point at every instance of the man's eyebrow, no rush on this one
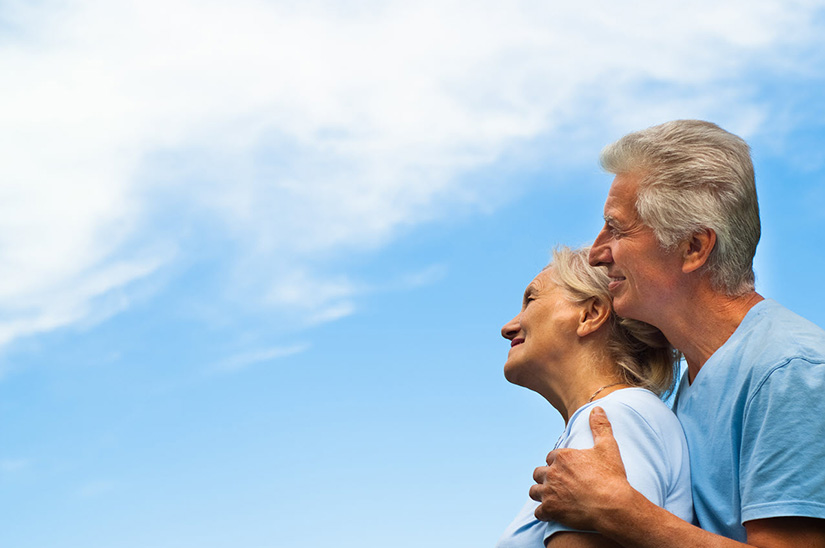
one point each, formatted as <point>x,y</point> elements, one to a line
<point>612,221</point>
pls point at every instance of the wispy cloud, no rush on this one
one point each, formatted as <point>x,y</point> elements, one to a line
<point>96,488</point>
<point>247,359</point>
<point>76,298</point>
<point>11,466</point>
<point>425,276</point>
<point>306,131</point>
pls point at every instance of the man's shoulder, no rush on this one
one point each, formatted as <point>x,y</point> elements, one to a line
<point>768,310</point>
<point>771,335</point>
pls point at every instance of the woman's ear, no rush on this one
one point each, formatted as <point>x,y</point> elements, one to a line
<point>593,315</point>
<point>697,250</point>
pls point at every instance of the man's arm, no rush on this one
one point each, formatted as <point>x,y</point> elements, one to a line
<point>588,489</point>
<point>570,539</point>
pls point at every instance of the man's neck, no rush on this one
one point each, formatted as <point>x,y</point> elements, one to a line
<point>704,322</point>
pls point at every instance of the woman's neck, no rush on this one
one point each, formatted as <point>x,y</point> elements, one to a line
<point>582,380</point>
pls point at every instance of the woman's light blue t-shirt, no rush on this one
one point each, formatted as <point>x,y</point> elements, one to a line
<point>654,453</point>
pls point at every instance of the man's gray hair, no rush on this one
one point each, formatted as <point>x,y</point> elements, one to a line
<point>694,176</point>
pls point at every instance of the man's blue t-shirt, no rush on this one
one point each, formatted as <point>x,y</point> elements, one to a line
<point>754,418</point>
<point>653,450</point>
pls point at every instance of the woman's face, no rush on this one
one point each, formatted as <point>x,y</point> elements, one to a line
<point>542,332</point>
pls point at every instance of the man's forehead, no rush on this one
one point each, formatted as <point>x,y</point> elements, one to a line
<point>619,211</point>
<point>621,198</point>
<point>625,184</point>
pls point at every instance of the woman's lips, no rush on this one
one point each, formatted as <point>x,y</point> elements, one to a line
<point>514,342</point>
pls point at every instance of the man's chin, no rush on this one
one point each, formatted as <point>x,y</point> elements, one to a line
<point>623,308</point>
<point>627,310</point>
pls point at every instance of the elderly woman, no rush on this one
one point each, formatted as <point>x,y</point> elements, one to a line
<point>568,345</point>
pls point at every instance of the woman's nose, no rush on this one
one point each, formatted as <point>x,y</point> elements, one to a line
<point>510,329</point>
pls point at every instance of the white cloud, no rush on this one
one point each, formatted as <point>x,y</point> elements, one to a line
<point>12,466</point>
<point>247,359</point>
<point>96,488</point>
<point>318,300</point>
<point>307,130</point>
<point>88,295</point>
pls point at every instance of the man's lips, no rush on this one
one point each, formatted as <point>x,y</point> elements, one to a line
<point>514,342</point>
<point>614,282</point>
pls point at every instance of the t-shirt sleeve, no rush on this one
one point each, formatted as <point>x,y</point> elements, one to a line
<point>579,437</point>
<point>643,452</point>
<point>640,447</point>
<point>782,468</point>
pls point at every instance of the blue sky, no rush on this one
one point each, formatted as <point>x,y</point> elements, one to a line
<point>256,255</point>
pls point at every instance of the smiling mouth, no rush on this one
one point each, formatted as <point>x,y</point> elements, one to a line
<point>515,342</point>
<point>614,282</point>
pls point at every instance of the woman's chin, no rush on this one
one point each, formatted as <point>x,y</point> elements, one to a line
<point>515,375</point>
<point>511,373</point>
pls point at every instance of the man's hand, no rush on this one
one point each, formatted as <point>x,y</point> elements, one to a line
<point>577,487</point>
<point>588,490</point>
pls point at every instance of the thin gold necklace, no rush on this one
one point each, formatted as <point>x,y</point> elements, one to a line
<point>596,393</point>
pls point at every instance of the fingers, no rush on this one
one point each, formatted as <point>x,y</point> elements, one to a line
<point>535,492</point>
<point>601,428</point>
<point>603,441</point>
<point>599,423</point>
<point>540,473</point>
<point>541,514</point>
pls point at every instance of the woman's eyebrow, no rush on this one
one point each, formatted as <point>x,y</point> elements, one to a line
<point>529,291</point>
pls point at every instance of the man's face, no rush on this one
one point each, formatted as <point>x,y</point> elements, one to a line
<point>642,274</point>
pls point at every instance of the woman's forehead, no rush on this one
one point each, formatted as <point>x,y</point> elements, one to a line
<point>543,280</point>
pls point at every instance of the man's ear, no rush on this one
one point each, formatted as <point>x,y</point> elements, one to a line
<point>696,250</point>
<point>593,315</point>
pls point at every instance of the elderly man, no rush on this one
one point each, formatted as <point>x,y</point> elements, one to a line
<point>681,228</point>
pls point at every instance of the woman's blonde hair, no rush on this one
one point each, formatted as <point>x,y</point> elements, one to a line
<point>640,351</point>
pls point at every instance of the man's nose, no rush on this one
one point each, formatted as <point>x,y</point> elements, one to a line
<point>600,250</point>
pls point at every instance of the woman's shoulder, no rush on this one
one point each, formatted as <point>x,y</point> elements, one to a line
<point>636,411</point>
<point>627,402</point>
<point>652,445</point>
<point>631,411</point>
